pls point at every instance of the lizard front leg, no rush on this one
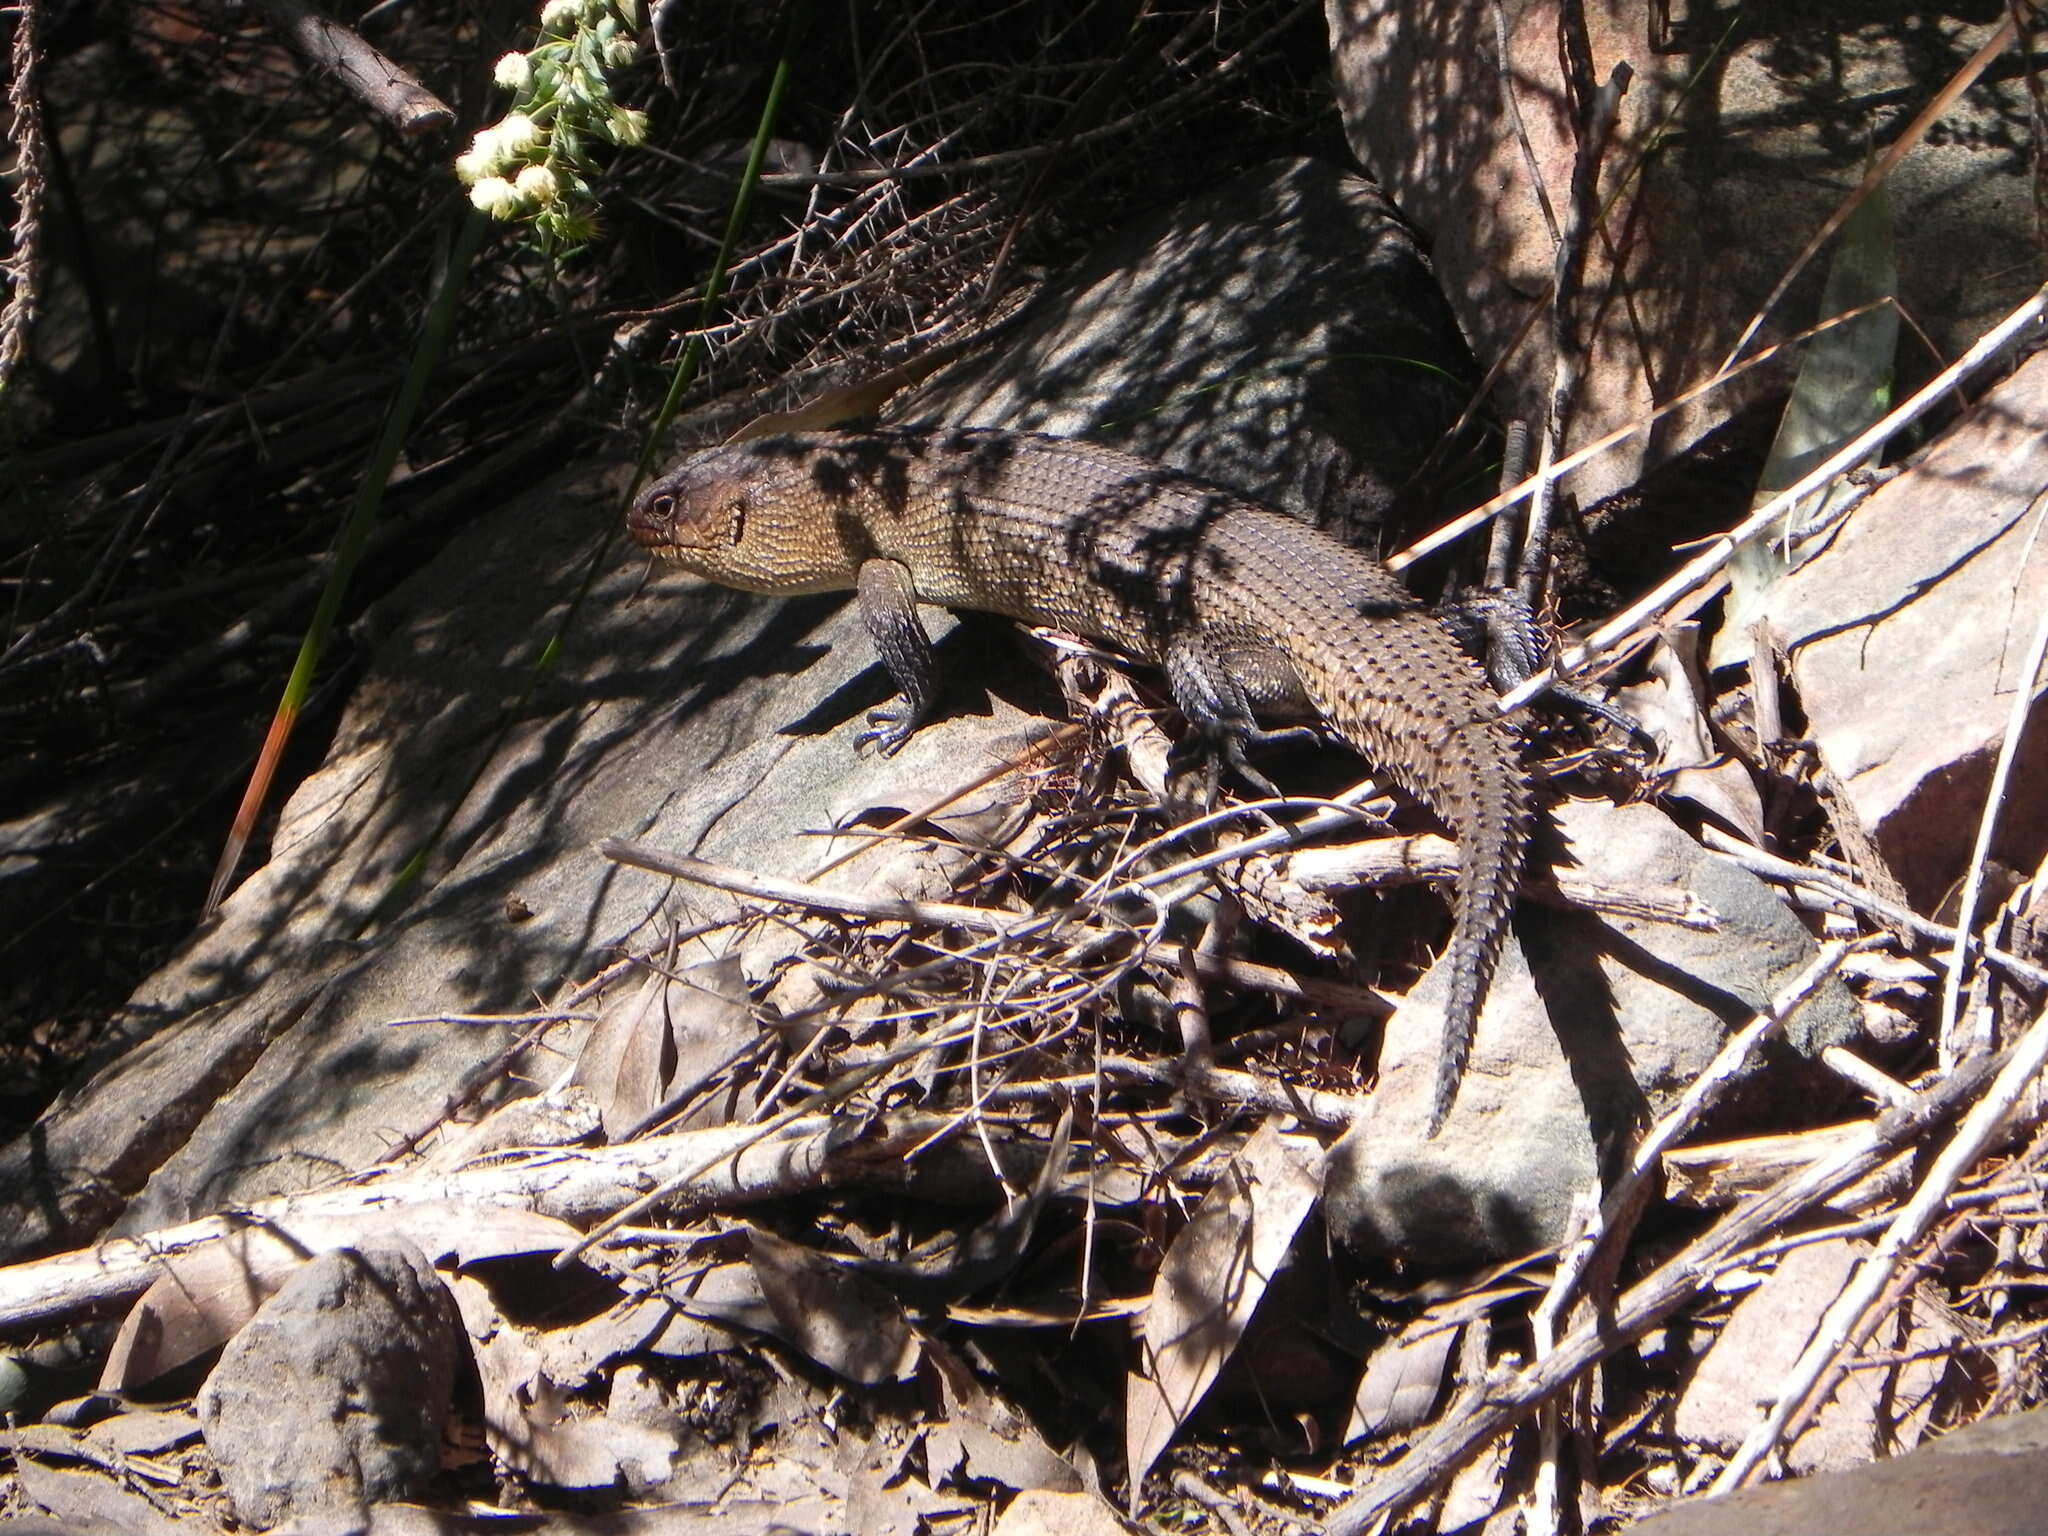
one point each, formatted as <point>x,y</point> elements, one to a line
<point>888,605</point>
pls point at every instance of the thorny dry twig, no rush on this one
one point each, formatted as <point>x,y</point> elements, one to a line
<point>1681,593</point>
<point>1127,866</point>
<point>25,134</point>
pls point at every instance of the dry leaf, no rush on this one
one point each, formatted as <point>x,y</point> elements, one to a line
<point>93,1500</point>
<point>1402,1380</point>
<point>1693,766</point>
<point>992,1249</point>
<point>528,1423</point>
<point>1272,896</point>
<point>1476,1491</point>
<point>1058,1514</point>
<point>838,1317</point>
<point>725,1292</point>
<point>1870,1411</point>
<point>143,1432</point>
<point>668,1039</point>
<point>559,1118</point>
<point>204,1296</point>
<point>891,1505</point>
<point>984,1438</point>
<point>199,1302</point>
<point>1210,1282</point>
<point>650,1325</point>
<point>625,1058</point>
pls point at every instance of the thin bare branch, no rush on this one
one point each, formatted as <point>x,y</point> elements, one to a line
<point>382,86</point>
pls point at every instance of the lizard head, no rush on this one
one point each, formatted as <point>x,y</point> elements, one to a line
<point>745,515</point>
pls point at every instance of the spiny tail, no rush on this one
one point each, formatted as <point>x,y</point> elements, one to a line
<point>1481,790</point>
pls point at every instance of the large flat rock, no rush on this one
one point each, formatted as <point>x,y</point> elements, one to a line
<point>1908,632</point>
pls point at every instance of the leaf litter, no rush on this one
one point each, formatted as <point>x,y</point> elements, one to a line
<point>944,1057</point>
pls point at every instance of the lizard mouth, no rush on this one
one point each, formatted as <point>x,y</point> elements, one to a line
<point>652,522</point>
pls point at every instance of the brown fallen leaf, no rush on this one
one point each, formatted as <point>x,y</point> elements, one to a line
<point>203,1296</point>
<point>983,1438</point>
<point>198,1303</point>
<point>665,1041</point>
<point>1402,1380</point>
<point>1045,1513</point>
<point>1693,766</point>
<point>529,1423</point>
<point>844,1321</point>
<point>1871,1411</point>
<point>1211,1281</point>
<point>94,1500</point>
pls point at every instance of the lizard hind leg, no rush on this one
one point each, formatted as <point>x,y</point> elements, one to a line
<point>1222,685</point>
<point>1497,629</point>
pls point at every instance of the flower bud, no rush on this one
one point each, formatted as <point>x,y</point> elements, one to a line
<point>514,72</point>
<point>537,184</point>
<point>626,126</point>
<point>497,197</point>
<point>482,158</point>
<point>517,134</point>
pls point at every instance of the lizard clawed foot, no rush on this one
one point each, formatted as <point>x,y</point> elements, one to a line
<point>889,727</point>
<point>1227,749</point>
<point>1497,629</point>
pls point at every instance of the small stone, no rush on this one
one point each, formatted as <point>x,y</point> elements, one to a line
<point>334,1395</point>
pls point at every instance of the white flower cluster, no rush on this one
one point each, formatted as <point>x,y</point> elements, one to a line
<point>530,164</point>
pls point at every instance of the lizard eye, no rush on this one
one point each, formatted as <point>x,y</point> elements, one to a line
<point>663,507</point>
